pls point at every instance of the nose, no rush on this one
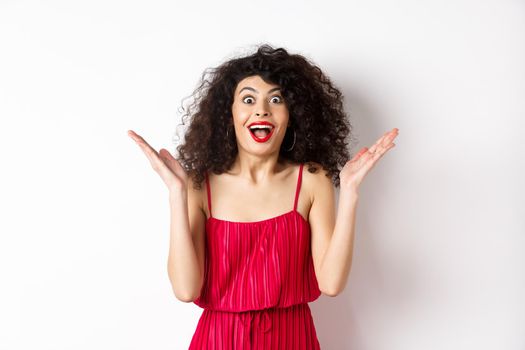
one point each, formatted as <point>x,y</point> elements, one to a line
<point>262,109</point>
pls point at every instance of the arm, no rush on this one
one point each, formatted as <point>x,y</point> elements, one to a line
<point>337,260</point>
<point>333,245</point>
<point>332,240</point>
<point>186,252</point>
<point>186,248</point>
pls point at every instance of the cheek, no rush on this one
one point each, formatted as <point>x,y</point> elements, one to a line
<point>240,116</point>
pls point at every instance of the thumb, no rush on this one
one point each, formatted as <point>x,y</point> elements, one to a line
<point>166,157</point>
<point>360,153</point>
<point>171,162</point>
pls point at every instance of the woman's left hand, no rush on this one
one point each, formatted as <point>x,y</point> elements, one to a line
<point>356,168</point>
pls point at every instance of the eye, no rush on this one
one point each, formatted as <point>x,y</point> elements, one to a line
<point>279,99</point>
<point>247,98</point>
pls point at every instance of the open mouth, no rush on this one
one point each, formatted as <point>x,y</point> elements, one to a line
<point>261,133</point>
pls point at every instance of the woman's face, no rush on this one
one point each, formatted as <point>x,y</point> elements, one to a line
<point>257,102</point>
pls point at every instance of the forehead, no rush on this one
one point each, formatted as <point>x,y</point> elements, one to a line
<point>256,82</point>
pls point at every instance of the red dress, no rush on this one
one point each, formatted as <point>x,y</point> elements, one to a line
<point>259,277</point>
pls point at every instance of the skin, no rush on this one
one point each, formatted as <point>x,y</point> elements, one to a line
<point>258,176</point>
<point>261,179</point>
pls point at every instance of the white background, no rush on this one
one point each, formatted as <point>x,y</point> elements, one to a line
<point>84,226</point>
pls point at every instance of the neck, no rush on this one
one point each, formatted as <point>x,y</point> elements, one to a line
<point>256,169</point>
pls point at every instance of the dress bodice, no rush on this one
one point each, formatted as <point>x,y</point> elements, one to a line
<point>258,265</point>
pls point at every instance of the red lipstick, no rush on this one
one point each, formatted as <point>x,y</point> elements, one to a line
<point>267,137</point>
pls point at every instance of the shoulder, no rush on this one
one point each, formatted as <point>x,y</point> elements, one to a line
<point>317,180</point>
<point>315,172</point>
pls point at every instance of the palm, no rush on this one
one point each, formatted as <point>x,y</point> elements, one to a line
<point>356,169</point>
<point>169,168</point>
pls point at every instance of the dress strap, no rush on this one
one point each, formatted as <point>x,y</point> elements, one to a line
<point>208,192</point>
<point>299,178</point>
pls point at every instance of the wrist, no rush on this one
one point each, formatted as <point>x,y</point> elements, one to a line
<point>178,196</point>
<point>349,193</point>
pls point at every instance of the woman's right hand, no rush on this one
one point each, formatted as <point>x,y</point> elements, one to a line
<point>169,168</point>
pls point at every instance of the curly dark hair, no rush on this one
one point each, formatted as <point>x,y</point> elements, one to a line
<point>314,104</point>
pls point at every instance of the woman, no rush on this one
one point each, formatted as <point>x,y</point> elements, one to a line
<point>260,240</point>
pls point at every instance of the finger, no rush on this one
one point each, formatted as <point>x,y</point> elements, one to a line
<point>134,135</point>
<point>150,152</point>
<point>359,154</point>
<point>389,138</point>
<point>172,162</point>
<point>374,156</point>
<point>369,160</point>
<point>157,163</point>
<point>389,135</point>
<point>160,166</point>
<point>384,140</point>
<point>381,152</point>
<point>139,139</point>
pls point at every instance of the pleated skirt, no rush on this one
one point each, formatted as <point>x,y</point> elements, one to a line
<point>287,328</point>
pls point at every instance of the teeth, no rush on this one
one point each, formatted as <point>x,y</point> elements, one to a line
<point>261,127</point>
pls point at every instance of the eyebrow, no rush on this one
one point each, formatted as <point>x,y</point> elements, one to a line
<point>252,89</point>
